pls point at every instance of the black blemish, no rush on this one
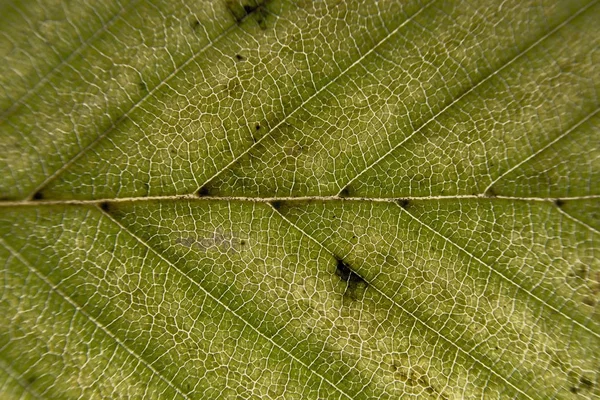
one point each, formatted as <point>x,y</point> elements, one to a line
<point>195,24</point>
<point>239,57</point>
<point>31,379</point>
<point>345,192</point>
<point>276,204</point>
<point>257,127</point>
<point>38,196</point>
<point>105,206</point>
<point>346,274</point>
<point>573,389</point>
<point>490,193</point>
<point>355,285</point>
<point>243,242</point>
<point>404,203</point>
<point>203,192</point>
<point>559,203</point>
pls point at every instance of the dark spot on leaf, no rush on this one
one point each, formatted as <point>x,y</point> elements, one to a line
<point>38,196</point>
<point>257,127</point>
<point>276,204</point>
<point>203,192</point>
<point>239,10</point>
<point>243,242</point>
<point>261,18</point>
<point>31,379</point>
<point>105,206</point>
<point>239,57</point>
<point>586,382</point>
<point>345,192</point>
<point>346,274</point>
<point>574,389</point>
<point>490,193</point>
<point>195,24</point>
<point>143,86</point>
<point>404,203</point>
<point>589,301</point>
<point>559,203</point>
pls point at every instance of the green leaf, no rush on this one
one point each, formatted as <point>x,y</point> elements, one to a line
<point>295,199</point>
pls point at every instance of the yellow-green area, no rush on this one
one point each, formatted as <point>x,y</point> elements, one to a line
<point>280,199</point>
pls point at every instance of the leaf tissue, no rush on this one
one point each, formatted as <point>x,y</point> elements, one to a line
<point>277,199</point>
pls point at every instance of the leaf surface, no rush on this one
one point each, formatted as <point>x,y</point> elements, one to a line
<point>279,199</point>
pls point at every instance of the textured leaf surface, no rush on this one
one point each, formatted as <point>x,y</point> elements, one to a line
<point>280,199</point>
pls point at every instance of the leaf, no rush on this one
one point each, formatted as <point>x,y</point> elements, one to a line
<point>277,199</point>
